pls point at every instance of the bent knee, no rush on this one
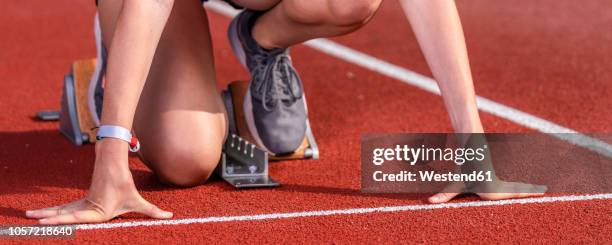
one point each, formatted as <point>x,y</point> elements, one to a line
<point>352,13</point>
<point>188,164</point>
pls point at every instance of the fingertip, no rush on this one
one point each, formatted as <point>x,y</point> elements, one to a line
<point>44,221</point>
<point>166,215</point>
<point>29,213</point>
<point>435,199</point>
<point>161,214</point>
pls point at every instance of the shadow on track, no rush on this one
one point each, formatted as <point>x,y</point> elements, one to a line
<point>33,160</point>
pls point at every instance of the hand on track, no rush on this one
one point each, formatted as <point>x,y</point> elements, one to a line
<point>111,194</point>
<point>87,211</point>
<point>499,190</point>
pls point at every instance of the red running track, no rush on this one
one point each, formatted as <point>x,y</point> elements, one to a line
<point>548,58</point>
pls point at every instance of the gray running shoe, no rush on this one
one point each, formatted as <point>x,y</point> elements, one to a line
<point>274,107</point>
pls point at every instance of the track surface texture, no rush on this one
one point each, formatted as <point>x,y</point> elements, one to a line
<point>549,58</point>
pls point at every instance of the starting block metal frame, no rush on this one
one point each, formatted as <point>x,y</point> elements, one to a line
<point>244,165</point>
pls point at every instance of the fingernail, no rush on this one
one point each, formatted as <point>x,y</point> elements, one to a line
<point>43,221</point>
<point>28,213</point>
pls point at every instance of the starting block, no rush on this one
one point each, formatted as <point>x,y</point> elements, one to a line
<point>76,118</point>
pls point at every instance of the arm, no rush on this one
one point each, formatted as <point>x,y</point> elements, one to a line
<point>438,29</point>
<point>440,34</point>
<point>137,33</point>
<point>112,192</point>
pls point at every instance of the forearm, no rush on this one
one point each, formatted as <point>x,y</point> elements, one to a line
<point>438,29</point>
<point>138,30</point>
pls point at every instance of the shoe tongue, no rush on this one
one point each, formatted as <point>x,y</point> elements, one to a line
<point>281,90</point>
<point>284,92</point>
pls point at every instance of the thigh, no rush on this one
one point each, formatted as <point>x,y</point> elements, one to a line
<point>180,119</point>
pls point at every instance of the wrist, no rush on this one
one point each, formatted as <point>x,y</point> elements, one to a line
<point>111,166</point>
<point>470,128</point>
<point>467,123</point>
<point>112,149</point>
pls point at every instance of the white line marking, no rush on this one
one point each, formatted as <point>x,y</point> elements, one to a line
<point>428,84</point>
<point>484,104</point>
<point>351,211</point>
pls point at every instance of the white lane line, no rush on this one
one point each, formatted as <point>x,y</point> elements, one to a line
<point>428,84</point>
<point>351,211</point>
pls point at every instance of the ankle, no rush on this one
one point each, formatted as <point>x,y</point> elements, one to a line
<point>262,38</point>
<point>262,34</point>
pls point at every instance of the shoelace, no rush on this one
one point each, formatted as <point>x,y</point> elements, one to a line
<point>282,90</point>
